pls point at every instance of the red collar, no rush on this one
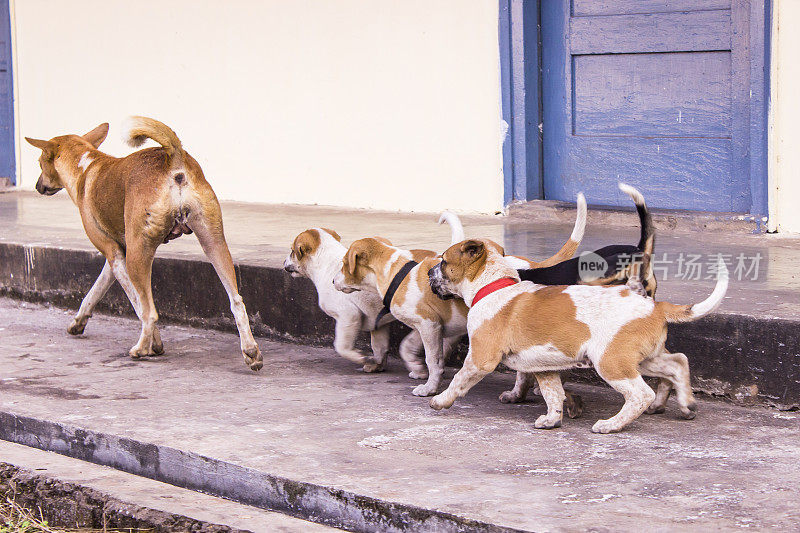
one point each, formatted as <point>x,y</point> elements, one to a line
<point>496,285</point>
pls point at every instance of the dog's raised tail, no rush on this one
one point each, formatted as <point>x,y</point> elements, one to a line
<point>142,128</point>
<point>456,228</point>
<point>686,313</point>
<point>645,218</point>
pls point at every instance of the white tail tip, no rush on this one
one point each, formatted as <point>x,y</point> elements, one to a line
<point>635,195</point>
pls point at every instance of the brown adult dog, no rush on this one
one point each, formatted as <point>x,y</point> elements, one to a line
<point>131,205</point>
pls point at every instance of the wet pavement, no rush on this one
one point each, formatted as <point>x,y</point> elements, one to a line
<point>764,268</point>
<point>311,416</point>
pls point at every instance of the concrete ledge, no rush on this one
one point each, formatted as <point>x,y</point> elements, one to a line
<point>548,211</point>
<point>744,358</point>
<point>326,505</point>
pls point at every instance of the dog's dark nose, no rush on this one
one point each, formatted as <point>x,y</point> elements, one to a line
<point>289,268</point>
<point>40,186</point>
<point>432,271</point>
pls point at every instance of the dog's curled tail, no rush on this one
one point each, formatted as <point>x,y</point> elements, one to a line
<point>456,228</point>
<point>686,313</point>
<point>142,128</point>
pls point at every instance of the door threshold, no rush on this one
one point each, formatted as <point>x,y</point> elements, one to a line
<point>664,219</point>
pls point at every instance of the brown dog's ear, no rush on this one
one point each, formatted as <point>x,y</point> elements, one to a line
<point>38,143</point>
<point>497,247</point>
<point>332,234</point>
<point>352,257</point>
<point>97,135</point>
<point>383,240</point>
<point>472,248</point>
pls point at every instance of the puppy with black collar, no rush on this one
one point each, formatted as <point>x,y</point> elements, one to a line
<point>547,329</point>
<point>317,254</point>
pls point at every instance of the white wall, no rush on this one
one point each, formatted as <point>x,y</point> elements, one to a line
<point>388,104</point>
<point>785,118</point>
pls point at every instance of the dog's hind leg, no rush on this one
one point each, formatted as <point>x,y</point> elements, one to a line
<point>208,229</point>
<point>139,265</point>
<point>553,394</point>
<point>465,379</point>
<point>521,387</point>
<point>410,349</point>
<point>662,395</point>
<point>115,260</point>
<point>672,369</point>
<point>95,294</point>
<point>379,339</point>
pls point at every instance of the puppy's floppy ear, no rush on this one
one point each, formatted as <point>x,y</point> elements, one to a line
<point>352,257</point>
<point>97,135</point>
<point>38,143</point>
<point>332,234</point>
<point>497,247</point>
<point>472,248</point>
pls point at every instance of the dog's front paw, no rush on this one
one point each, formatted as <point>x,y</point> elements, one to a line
<point>77,327</point>
<point>426,389</point>
<point>605,426</point>
<point>418,374</point>
<point>544,422</point>
<point>510,396</point>
<point>440,401</point>
<point>372,367</point>
<point>252,358</point>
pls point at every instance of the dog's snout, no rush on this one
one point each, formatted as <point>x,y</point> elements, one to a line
<point>40,186</point>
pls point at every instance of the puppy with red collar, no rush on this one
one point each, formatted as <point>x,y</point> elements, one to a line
<point>317,254</point>
<point>401,278</point>
<point>546,329</point>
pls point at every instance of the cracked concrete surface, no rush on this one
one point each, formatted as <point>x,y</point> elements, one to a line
<point>311,416</point>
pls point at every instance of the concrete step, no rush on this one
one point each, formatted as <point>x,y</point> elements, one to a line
<point>73,493</point>
<point>313,437</point>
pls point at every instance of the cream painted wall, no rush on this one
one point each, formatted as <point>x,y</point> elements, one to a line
<point>785,118</point>
<point>387,104</point>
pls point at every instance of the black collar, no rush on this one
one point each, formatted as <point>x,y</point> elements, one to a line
<point>393,286</point>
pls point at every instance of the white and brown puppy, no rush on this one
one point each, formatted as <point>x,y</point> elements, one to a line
<point>372,264</point>
<point>131,205</point>
<point>317,254</point>
<point>546,329</point>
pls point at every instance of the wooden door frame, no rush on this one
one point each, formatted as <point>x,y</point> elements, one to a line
<point>6,6</point>
<point>521,99</point>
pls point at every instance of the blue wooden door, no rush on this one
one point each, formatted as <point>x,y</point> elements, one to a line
<point>650,92</point>
<point>7,167</point>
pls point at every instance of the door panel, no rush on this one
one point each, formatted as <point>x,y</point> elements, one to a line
<point>646,92</point>
<point>664,102</point>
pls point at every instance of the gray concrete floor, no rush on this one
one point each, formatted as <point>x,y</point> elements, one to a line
<point>261,235</point>
<point>151,494</point>
<point>311,416</point>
